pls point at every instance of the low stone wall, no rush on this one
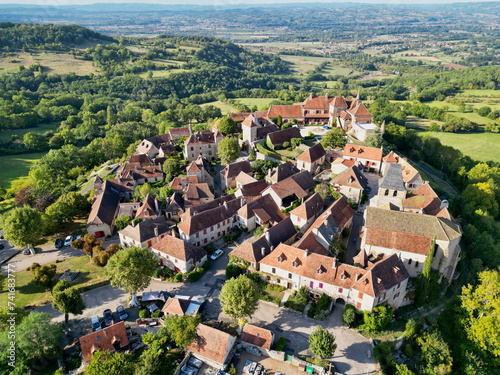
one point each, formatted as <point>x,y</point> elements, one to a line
<point>261,156</point>
<point>184,361</point>
<point>279,356</point>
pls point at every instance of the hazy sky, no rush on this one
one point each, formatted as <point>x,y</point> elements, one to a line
<point>228,2</point>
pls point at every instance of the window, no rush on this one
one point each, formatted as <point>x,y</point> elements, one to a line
<point>218,225</point>
<point>398,286</point>
<point>205,240</point>
<point>273,270</point>
<point>341,290</point>
<point>409,261</point>
<point>289,275</point>
<point>416,263</point>
<point>176,260</point>
<point>204,231</point>
<point>98,338</point>
<point>395,194</point>
<point>192,149</point>
<point>212,228</point>
<point>396,295</point>
<point>218,234</point>
<point>321,285</point>
<point>386,192</point>
<point>358,305</point>
<point>198,235</point>
<point>360,295</point>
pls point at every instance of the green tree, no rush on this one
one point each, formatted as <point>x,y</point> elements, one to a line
<point>142,191</point>
<point>411,329</point>
<point>349,315</point>
<point>482,197</point>
<point>482,310</point>
<point>23,226</point>
<point>322,343</point>
<point>226,126</point>
<point>35,141</point>
<point>425,277</point>
<point>375,139</point>
<point>122,221</point>
<point>171,168</point>
<point>110,364</point>
<point>182,329</point>
<point>378,319</point>
<point>239,298</point>
<point>436,356</point>
<point>228,150</point>
<point>87,244</point>
<point>44,275</point>
<point>132,269</point>
<point>37,338</point>
<point>67,207</point>
<point>164,193</point>
<point>67,299</point>
<point>403,370</point>
<point>323,190</point>
<point>334,138</point>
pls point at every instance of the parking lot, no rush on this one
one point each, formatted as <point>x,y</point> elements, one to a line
<point>271,365</point>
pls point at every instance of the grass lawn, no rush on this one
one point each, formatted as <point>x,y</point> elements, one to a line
<point>419,123</point>
<point>6,135</point>
<point>6,205</point>
<point>474,117</point>
<point>479,146</point>
<point>481,93</point>
<point>225,108</point>
<point>61,63</point>
<point>15,166</point>
<point>259,102</point>
<point>30,294</point>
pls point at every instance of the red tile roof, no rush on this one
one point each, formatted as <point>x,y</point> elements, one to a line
<point>103,340</point>
<point>286,111</point>
<point>318,102</point>
<point>233,169</point>
<point>310,208</point>
<point>351,177</point>
<point>312,154</point>
<point>177,182</point>
<point>175,306</point>
<point>370,153</point>
<point>257,336</point>
<point>180,249</point>
<point>211,343</point>
<point>360,111</point>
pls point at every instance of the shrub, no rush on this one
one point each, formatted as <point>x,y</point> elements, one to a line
<point>196,274</point>
<point>285,144</point>
<point>178,277</point>
<point>324,302</point>
<point>346,232</point>
<point>143,313</point>
<point>378,319</point>
<point>233,271</point>
<point>349,315</point>
<point>301,296</point>
<point>156,313</point>
<point>313,310</point>
<point>232,370</point>
<point>322,315</point>
<point>411,329</point>
<point>206,265</point>
<point>280,346</point>
<point>408,351</point>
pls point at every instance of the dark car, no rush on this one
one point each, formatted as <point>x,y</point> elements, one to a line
<point>108,317</point>
<point>58,244</point>
<point>368,190</point>
<point>1,246</point>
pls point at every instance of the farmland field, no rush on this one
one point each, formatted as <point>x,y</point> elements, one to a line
<point>60,63</point>
<point>479,146</point>
<point>225,108</point>
<point>15,166</point>
<point>259,102</point>
<point>6,136</point>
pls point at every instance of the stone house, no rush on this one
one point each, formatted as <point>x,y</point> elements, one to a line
<point>311,158</point>
<point>351,183</point>
<point>369,157</point>
<point>231,171</point>
<point>109,339</point>
<point>144,234</point>
<point>178,254</point>
<point>304,215</point>
<point>212,346</point>
<point>202,143</point>
<point>289,190</point>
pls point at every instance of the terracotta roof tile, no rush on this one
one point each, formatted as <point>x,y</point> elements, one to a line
<point>179,132</point>
<point>286,111</point>
<point>103,340</point>
<point>233,169</point>
<point>310,208</point>
<point>318,102</point>
<point>257,336</point>
<point>211,343</point>
<point>175,306</point>
<point>179,249</point>
<point>312,154</point>
<point>180,183</point>
<point>351,177</point>
<point>370,153</point>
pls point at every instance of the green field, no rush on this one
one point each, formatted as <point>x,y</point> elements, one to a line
<point>15,166</point>
<point>6,136</point>
<point>302,65</point>
<point>481,93</point>
<point>474,117</point>
<point>479,146</point>
<point>259,102</point>
<point>225,108</point>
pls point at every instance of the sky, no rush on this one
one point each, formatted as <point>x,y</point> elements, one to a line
<point>230,2</point>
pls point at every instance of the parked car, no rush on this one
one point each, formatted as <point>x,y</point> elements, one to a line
<point>217,254</point>
<point>326,127</point>
<point>368,190</point>
<point>122,314</point>
<point>26,251</point>
<point>108,317</point>
<point>79,237</point>
<point>58,244</point>
<point>96,323</point>
<point>68,240</point>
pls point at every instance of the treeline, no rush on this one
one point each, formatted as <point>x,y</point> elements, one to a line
<point>477,210</point>
<point>383,110</point>
<point>45,37</point>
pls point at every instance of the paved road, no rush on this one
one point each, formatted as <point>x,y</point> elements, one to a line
<point>354,242</point>
<point>48,254</point>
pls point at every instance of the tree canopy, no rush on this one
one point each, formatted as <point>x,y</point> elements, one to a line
<point>182,329</point>
<point>67,299</point>
<point>226,126</point>
<point>228,150</point>
<point>239,298</point>
<point>23,226</point>
<point>334,138</point>
<point>322,343</point>
<point>132,269</point>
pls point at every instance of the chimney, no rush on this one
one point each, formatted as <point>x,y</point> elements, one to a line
<point>444,204</point>
<point>310,95</point>
<point>225,205</point>
<point>190,129</point>
<point>157,206</point>
<point>183,183</point>
<point>326,97</point>
<point>156,231</point>
<point>306,253</point>
<point>119,180</point>
<point>133,223</point>
<point>268,237</point>
<point>334,263</point>
<point>173,233</point>
<point>263,251</point>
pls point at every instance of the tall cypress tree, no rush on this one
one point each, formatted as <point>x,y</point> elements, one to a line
<point>425,276</point>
